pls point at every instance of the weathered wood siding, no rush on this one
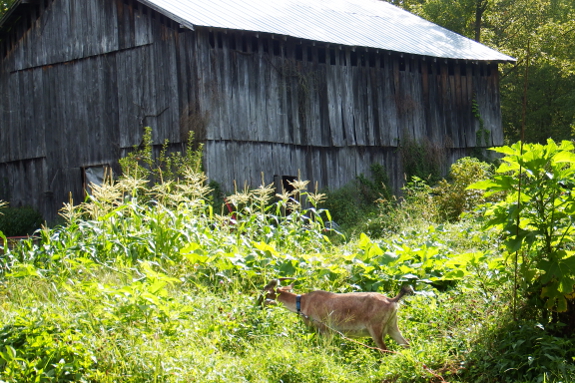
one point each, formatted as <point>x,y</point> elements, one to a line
<point>81,78</point>
<point>279,105</point>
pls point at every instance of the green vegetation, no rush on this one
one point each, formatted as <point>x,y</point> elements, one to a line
<point>455,198</point>
<point>536,220</point>
<point>4,6</point>
<point>145,283</point>
<point>19,221</point>
<point>379,213</point>
<point>422,159</point>
<point>356,201</point>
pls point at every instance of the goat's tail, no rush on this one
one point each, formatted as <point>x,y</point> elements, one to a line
<point>405,290</point>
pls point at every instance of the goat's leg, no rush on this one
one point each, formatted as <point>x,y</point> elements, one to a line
<point>319,326</point>
<point>395,334</point>
<point>376,333</point>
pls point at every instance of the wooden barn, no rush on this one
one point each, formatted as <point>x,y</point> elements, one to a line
<point>325,88</point>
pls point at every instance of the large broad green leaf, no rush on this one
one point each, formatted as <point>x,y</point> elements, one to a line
<point>364,241</point>
<point>566,284</point>
<point>499,183</point>
<point>388,258</point>
<point>510,151</point>
<point>567,146</point>
<point>288,266</point>
<point>556,299</point>
<point>527,273</point>
<point>559,269</point>
<point>194,253</point>
<point>483,185</point>
<point>564,157</point>
<point>508,166</point>
<point>266,248</point>
<point>514,243</point>
<point>457,274</point>
<point>460,261</point>
<point>374,251</point>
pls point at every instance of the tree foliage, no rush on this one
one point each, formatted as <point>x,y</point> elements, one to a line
<point>4,5</point>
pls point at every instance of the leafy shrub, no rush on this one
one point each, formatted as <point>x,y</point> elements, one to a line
<point>537,218</point>
<point>423,160</point>
<point>453,198</point>
<point>353,205</point>
<point>415,207</point>
<point>141,163</point>
<point>523,352</point>
<point>347,211</point>
<point>36,351</point>
<point>375,188</point>
<point>19,221</point>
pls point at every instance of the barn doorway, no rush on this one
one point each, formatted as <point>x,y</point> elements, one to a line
<point>284,183</point>
<point>95,175</point>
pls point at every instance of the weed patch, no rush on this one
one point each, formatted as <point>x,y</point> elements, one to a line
<point>146,283</point>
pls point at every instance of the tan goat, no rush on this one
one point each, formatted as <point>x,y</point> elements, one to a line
<point>353,314</point>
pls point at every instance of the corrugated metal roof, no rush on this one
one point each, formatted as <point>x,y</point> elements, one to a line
<point>361,23</point>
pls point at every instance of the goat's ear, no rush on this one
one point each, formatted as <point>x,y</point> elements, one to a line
<point>272,285</point>
<point>269,288</point>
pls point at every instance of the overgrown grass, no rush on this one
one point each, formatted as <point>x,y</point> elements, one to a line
<point>150,285</point>
<point>133,331</point>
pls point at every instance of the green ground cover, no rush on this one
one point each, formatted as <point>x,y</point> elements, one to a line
<point>149,284</point>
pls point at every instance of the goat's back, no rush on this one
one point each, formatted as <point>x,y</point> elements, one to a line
<point>348,310</point>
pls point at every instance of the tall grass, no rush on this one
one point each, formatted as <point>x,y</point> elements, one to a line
<point>148,284</point>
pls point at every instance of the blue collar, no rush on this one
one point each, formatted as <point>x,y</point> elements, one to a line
<point>298,303</point>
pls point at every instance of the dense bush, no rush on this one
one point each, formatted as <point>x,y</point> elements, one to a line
<point>426,204</point>
<point>537,220</point>
<point>19,221</point>
<point>453,198</point>
<point>43,350</point>
<point>414,207</point>
<point>523,351</point>
<point>423,160</point>
<point>352,204</point>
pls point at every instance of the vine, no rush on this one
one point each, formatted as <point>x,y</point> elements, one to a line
<point>424,160</point>
<point>307,82</point>
<point>482,135</point>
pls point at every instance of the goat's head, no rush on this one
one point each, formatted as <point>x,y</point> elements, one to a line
<point>271,291</point>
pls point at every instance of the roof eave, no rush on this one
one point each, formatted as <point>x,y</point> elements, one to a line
<point>10,18</point>
<point>179,20</point>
